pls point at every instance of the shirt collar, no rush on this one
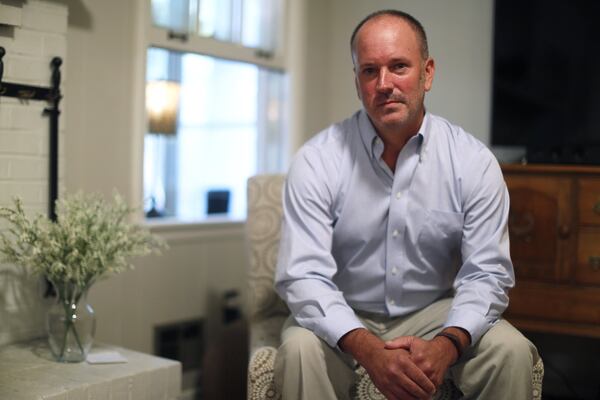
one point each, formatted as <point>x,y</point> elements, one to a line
<point>374,144</point>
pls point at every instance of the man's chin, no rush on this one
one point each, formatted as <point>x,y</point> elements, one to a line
<point>392,119</point>
<point>398,121</point>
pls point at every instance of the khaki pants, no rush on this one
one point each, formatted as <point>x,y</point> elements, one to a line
<point>498,367</point>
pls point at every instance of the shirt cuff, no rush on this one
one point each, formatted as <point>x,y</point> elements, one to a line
<point>337,324</point>
<point>473,322</point>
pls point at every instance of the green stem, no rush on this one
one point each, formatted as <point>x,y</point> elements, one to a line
<point>69,296</point>
<point>67,326</point>
<point>77,338</point>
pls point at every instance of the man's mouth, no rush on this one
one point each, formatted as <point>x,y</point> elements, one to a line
<point>390,100</point>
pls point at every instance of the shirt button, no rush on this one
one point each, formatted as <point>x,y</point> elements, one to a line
<point>395,233</point>
<point>394,271</point>
<point>398,195</point>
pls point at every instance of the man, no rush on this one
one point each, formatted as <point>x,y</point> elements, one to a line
<point>394,251</point>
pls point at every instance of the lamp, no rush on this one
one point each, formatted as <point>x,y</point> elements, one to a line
<point>162,103</point>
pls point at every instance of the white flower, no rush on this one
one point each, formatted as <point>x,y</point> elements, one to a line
<point>89,240</point>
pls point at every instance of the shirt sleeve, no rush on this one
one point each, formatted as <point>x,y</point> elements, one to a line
<point>305,265</point>
<point>486,275</point>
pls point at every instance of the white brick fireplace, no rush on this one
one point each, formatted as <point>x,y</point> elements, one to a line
<point>32,33</point>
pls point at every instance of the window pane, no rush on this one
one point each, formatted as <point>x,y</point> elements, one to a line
<point>251,23</point>
<point>230,127</point>
<point>257,29</point>
<point>172,14</point>
<point>158,64</point>
<point>215,19</point>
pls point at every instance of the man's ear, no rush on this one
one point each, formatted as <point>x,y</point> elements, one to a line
<point>356,84</point>
<point>429,73</point>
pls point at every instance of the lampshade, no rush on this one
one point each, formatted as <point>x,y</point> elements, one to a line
<point>162,103</point>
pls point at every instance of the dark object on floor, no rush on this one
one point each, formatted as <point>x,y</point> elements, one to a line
<point>225,364</point>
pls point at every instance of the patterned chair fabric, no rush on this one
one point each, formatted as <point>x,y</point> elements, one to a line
<point>268,312</point>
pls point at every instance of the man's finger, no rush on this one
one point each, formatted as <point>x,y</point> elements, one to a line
<point>418,384</point>
<point>402,342</point>
<point>412,379</point>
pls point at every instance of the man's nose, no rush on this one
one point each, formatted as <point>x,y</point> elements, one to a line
<point>384,83</point>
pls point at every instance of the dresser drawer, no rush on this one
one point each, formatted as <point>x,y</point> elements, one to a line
<point>587,270</point>
<point>559,303</point>
<point>554,228</point>
<point>589,201</point>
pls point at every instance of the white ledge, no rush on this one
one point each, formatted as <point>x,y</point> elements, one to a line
<point>181,231</point>
<point>10,15</point>
<point>28,372</point>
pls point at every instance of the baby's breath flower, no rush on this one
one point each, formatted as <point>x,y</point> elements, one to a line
<point>90,239</point>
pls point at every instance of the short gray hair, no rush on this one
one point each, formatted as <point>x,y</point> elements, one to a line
<point>412,22</point>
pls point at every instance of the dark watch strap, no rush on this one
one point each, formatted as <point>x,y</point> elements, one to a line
<point>455,341</point>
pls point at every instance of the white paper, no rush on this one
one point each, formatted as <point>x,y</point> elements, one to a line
<point>106,357</point>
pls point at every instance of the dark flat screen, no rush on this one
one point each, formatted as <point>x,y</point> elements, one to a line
<point>546,85</point>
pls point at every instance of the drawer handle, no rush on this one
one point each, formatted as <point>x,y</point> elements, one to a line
<point>594,263</point>
<point>521,225</point>
<point>596,208</point>
<point>564,231</point>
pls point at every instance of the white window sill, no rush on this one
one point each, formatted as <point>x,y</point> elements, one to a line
<point>173,229</point>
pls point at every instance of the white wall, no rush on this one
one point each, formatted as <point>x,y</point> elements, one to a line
<point>99,100</point>
<point>185,283</point>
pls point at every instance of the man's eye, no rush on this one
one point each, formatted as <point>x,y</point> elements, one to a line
<point>369,71</point>
<point>398,67</point>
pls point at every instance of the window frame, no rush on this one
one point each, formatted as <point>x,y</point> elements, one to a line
<point>150,35</point>
<point>159,37</point>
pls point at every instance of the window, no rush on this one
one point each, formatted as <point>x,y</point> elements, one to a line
<point>251,23</point>
<point>231,118</point>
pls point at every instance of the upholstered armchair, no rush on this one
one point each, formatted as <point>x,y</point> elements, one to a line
<point>267,311</point>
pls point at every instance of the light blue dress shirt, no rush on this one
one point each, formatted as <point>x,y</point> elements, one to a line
<point>357,235</point>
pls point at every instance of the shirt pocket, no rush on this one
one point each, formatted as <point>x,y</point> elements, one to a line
<point>440,236</point>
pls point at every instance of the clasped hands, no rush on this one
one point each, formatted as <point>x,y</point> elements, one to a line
<point>407,367</point>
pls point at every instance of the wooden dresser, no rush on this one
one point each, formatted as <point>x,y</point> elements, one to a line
<point>554,227</point>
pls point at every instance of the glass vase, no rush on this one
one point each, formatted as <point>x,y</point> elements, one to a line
<point>70,324</point>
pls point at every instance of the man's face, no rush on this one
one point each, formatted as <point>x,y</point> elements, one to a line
<point>391,75</point>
